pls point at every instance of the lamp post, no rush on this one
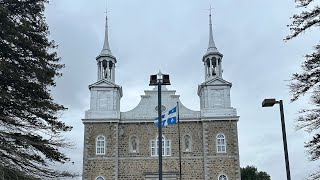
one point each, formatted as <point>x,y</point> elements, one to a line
<point>270,103</point>
<point>159,80</point>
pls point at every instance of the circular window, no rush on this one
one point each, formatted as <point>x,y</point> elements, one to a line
<point>163,108</point>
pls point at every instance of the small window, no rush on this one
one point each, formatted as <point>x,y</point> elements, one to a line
<point>166,147</point>
<point>221,143</point>
<point>99,178</point>
<point>187,143</point>
<point>222,177</point>
<point>153,148</point>
<point>134,144</point>
<point>100,145</point>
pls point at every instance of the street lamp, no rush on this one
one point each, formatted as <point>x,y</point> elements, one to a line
<point>270,103</point>
<point>158,80</point>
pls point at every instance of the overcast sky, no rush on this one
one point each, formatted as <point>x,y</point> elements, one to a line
<point>148,35</point>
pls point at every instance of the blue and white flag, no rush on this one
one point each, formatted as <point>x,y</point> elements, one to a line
<point>171,118</point>
<point>156,120</point>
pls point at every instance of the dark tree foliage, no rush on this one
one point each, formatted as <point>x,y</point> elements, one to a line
<point>30,132</point>
<point>251,173</point>
<point>309,79</point>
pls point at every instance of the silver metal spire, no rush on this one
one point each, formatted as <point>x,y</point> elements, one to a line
<point>106,48</point>
<point>211,46</point>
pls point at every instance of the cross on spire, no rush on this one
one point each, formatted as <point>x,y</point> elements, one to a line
<point>106,48</point>
<point>210,9</point>
<point>106,12</point>
<point>211,46</point>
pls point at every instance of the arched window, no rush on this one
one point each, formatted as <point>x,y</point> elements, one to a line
<point>221,143</point>
<point>134,144</point>
<point>99,178</point>
<point>166,147</point>
<point>223,177</point>
<point>100,145</point>
<point>187,142</point>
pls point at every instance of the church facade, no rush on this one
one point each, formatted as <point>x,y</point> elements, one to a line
<point>123,145</point>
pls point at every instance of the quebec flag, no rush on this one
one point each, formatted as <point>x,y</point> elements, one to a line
<point>171,118</point>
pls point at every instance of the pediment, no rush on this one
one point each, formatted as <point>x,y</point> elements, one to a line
<point>217,81</point>
<point>103,83</point>
<point>147,107</point>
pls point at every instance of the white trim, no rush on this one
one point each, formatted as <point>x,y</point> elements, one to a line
<point>100,121</point>
<point>222,175</point>
<point>150,120</point>
<point>153,148</point>
<point>221,148</point>
<point>99,177</point>
<point>100,148</point>
<point>166,146</point>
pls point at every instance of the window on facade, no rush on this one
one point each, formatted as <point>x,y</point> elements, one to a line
<point>99,178</point>
<point>100,145</point>
<point>222,177</point>
<point>166,147</point>
<point>187,143</point>
<point>134,144</point>
<point>221,143</point>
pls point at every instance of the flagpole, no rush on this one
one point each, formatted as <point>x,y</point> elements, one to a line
<point>159,131</point>
<point>180,173</point>
<point>158,80</point>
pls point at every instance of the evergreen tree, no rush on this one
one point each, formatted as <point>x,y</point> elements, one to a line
<point>251,173</point>
<point>30,132</point>
<point>309,79</point>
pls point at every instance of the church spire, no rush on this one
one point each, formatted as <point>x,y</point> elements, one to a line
<point>213,58</point>
<point>106,48</point>
<point>105,60</point>
<point>211,46</point>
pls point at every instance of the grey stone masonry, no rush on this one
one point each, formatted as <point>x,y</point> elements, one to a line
<point>205,149</point>
<point>202,162</point>
<point>116,151</point>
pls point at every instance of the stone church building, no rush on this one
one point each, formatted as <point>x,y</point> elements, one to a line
<point>123,145</point>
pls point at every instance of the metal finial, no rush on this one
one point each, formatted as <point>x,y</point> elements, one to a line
<point>159,74</point>
<point>106,47</point>
<point>211,46</point>
<point>106,9</point>
<point>210,10</point>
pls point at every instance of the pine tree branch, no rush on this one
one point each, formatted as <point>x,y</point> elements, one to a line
<point>303,3</point>
<point>303,21</point>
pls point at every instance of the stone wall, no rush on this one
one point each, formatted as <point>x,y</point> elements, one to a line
<point>100,165</point>
<point>137,165</point>
<point>223,163</point>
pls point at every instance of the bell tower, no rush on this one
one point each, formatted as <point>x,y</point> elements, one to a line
<point>212,58</point>
<point>105,93</point>
<point>214,92</point>
<point>105,60</point>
